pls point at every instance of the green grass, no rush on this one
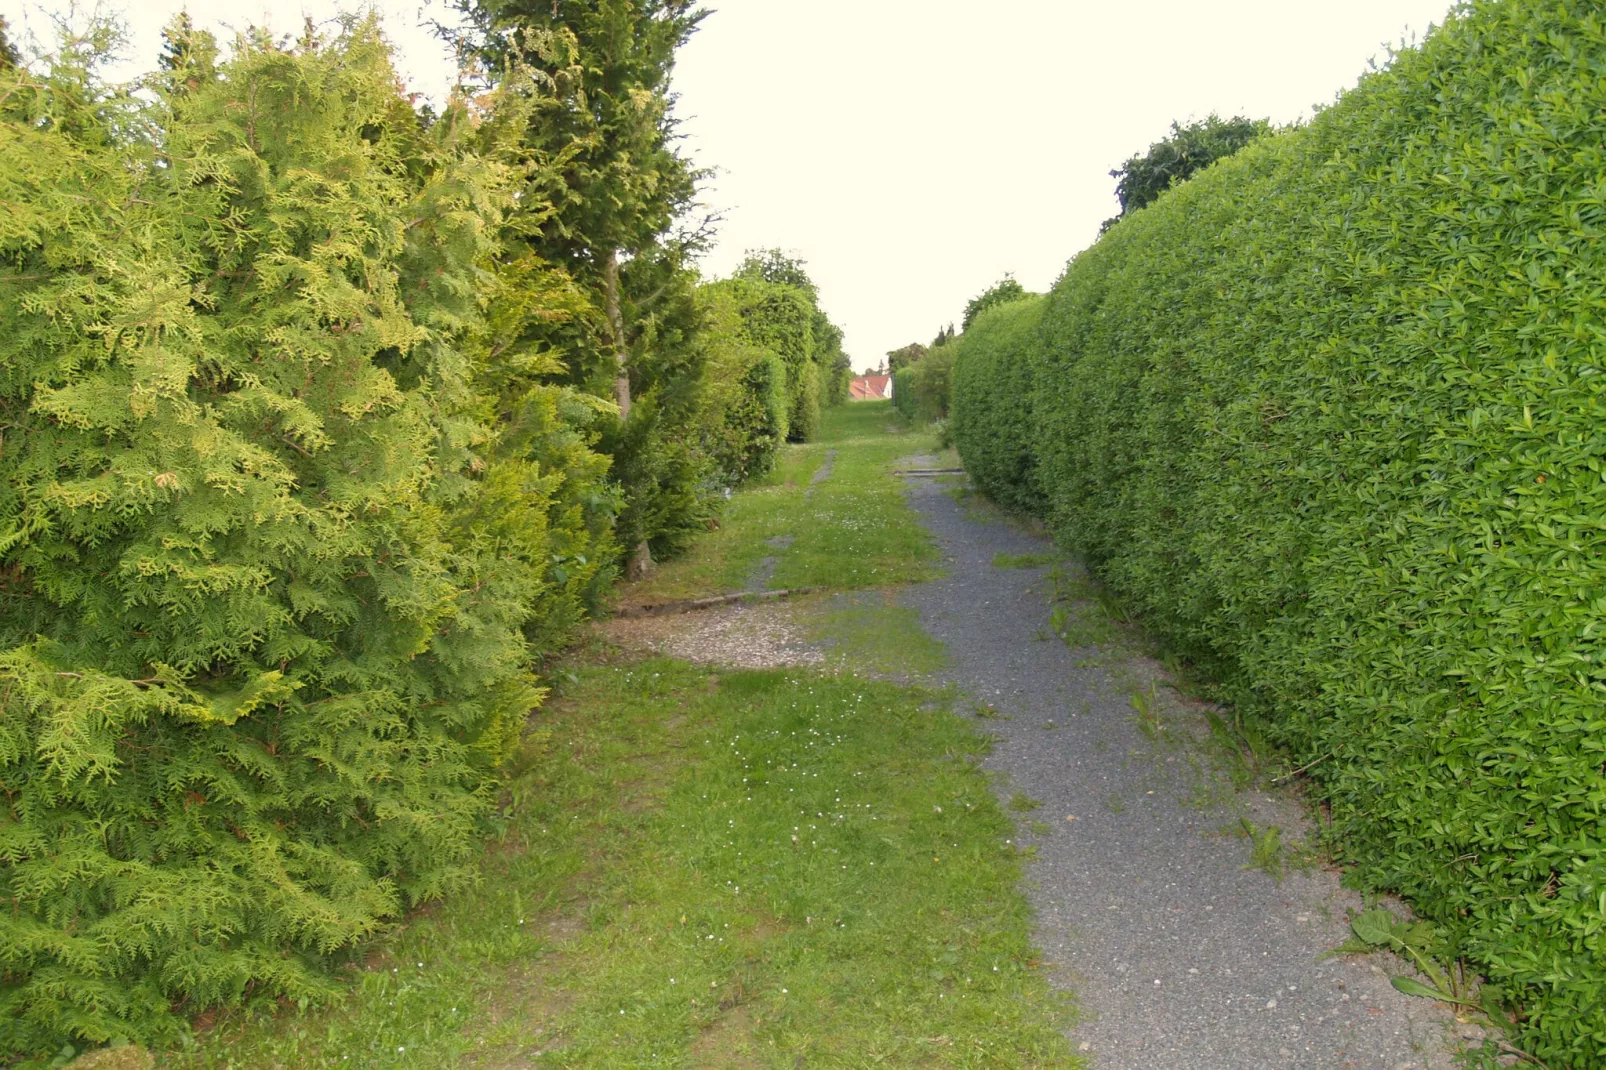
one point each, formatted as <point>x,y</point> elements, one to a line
<point>1021,802</point>
<point>866,632</point>
<point>1002,560</point>
<point>1269,852</point>
<point>761,869</point>
<point>855,530</point>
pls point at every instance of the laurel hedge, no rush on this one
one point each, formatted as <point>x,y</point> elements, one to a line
<point>1332,416</point>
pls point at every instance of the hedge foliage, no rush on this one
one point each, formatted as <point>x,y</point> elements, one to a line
<point>310,456</point>
<point>780,312</point>
<point>1330,414</point>
<point>993,421</point>
<point>921,390</point>
<point>266,564</point>
<point>747,404</point>
<point>903,393</point>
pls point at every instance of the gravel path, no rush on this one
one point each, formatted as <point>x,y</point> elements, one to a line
<point>1180,957</point>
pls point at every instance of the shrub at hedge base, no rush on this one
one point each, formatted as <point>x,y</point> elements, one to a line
<point>264,565</point>
<point>1333,415</point>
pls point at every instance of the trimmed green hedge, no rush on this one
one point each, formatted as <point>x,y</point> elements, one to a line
<point>921,390</point>
<point>993,423</point>
<point>903,393</point>
<point>1331,415</point>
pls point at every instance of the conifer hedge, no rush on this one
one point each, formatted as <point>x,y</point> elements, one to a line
<point>284,515</point>
<point>1332,415</point>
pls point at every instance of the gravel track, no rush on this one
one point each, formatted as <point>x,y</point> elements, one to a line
<point>1179,956</point>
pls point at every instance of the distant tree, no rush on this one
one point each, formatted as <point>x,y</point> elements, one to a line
<point>1001,292</point>
<point>903,358</point>
<point>944,336</point>
<point>1189,149</point>
<point>9,56</point>
<point>772,265</point>
<point>188,55</point>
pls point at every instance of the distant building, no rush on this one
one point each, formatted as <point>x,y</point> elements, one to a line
<point>870,387</point>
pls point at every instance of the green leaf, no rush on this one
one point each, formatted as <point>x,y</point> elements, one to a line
<point>1374,927</point>
<point>1412,987</point>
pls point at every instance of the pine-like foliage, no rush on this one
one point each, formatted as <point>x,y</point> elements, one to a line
<point>280,502</point>
<point>612,185</point>
<point>9,56</point>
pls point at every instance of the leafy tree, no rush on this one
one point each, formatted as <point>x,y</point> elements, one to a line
<point>774,266</point>
<point>9,56</point>
<point>905,357</point>
<point>1189,149</point>
<point>1000,293</point>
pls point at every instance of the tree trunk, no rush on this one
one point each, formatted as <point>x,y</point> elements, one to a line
<point>616,327</point>
<point>640,562</point>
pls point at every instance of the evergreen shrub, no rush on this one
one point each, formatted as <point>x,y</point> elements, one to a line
<point>780,316</point>
<point>992,421</point>
<point>920,391</point>
<point>903,393</point>
<point>277,514</point>
<point>931,380</point>
<point>1331,415</point>
<point>745,403</point>
<point>803,425</point>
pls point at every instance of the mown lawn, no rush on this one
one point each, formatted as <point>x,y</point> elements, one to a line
<point>711,870</point>
<point>850,530</point>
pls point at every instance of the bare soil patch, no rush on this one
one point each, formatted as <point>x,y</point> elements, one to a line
<point>737,636</point>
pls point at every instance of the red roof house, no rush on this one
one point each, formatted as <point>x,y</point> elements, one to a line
<point>870,387</point>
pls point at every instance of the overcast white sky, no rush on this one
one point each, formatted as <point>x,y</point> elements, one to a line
<point>913,151</point>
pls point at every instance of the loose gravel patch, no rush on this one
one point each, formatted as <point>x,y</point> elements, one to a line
<point>1180,957</point>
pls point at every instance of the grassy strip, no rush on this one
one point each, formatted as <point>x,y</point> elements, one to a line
<point>867,632</point>
<point>851,530</point>
<point>748,870</point>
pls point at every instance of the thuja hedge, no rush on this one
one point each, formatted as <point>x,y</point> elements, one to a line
<point>284,516</point>
<point>1332,414</point>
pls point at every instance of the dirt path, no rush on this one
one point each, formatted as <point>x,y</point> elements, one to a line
<point>1181,958</point>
